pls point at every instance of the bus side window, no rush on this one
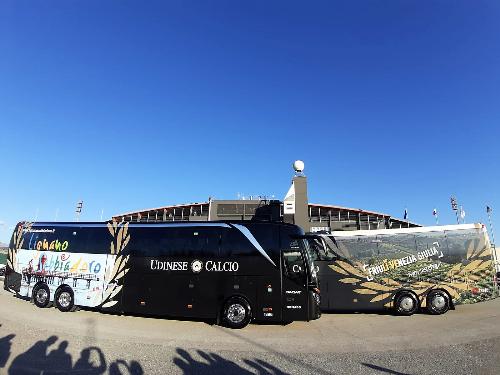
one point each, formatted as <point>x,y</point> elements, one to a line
<point>433,241</point>
<point>203,242</point>
<point>97,241</point>
<point>357,247</point>
<point>234,243</point>
<point>462,244</point>
<point>268,237</point>
<point>396,245</point>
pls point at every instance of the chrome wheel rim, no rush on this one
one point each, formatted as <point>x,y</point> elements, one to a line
<point>64,299</point>
<point>407,303</point>
<point>236,313</point>
<point>438,302</point>
<point>41,296</point>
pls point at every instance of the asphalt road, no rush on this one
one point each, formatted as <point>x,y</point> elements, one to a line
<point>43,341</point>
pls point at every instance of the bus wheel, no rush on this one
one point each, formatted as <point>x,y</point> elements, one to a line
<point>64,299</point>
<point>438,302</point>
<point>41,295</point>
<point>406,303</point>
<point>237,312</point>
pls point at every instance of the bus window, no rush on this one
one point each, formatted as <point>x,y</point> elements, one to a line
<point>268,237</point>
<point>315,248</point>
<point>61,239</point>
<point>203,242</point>
<point>150,243</point>
<point>396,245</point>
<point>319,250</point>
<point>172,242</point>
<point>463,243</point>
<point>358,247</point>
<point>430,242</point>
<point>96,241</point>
<point>234,243</point>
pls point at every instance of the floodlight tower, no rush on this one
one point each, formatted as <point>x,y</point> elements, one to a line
<point>295,204</point>
<point>78,211</point>
<point>298,166</point>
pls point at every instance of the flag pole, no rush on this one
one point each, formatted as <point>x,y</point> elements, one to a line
<point>488,211</point>
<point>495,258</point>
<point>454,207</point>
<point>435,213</point>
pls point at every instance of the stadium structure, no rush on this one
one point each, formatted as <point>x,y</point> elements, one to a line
<point>295,208</point>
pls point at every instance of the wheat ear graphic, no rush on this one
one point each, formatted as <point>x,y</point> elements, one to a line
<point>121,238</point>
<point>18,242</point>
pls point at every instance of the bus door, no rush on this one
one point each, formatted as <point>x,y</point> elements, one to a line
<point>295,284</point>
<point>322,257</point>
<point>335,295</point>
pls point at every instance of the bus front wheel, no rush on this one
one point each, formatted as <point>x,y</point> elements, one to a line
<point>65,299</point>
<point>406,303</point>
<point>237,313</point>
<point>41,295</point>
<point>438,302</point>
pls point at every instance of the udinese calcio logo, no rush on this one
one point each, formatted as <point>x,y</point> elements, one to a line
<point>197,266</point>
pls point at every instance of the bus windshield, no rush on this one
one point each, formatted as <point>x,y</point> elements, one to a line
<point>318,249</point>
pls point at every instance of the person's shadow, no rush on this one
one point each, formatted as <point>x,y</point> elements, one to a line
<point>134,368</point>
<point>212,363</point>
<point>5,346</point>
<point>37,360</point>
<point>58,360</point>
<point>86,365</point>
<point>33,360</point>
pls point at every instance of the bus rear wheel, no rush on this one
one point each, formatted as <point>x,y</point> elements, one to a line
<point>64,299</point>
<point>41,295</point>
<point>406,303</point>
<point>237,313</point>
<point>438,302</point>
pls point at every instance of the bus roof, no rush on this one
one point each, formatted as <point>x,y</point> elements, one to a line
<point>221,223</point>
<point>436,228</point>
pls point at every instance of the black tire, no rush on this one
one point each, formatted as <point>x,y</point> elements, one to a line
<point>236,313</point>
<point>406,303</point>
<point>64,299</point>
<point>41,295</point>
<point>438,302</point>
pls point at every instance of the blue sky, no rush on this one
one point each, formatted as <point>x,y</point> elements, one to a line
<point>128,105</point>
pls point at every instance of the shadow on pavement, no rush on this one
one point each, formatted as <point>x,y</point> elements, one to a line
<point>49,357</point>
<point>212,363</point>
<point>5,345</point>
<point>383,369</point>
<point>306,367</point>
